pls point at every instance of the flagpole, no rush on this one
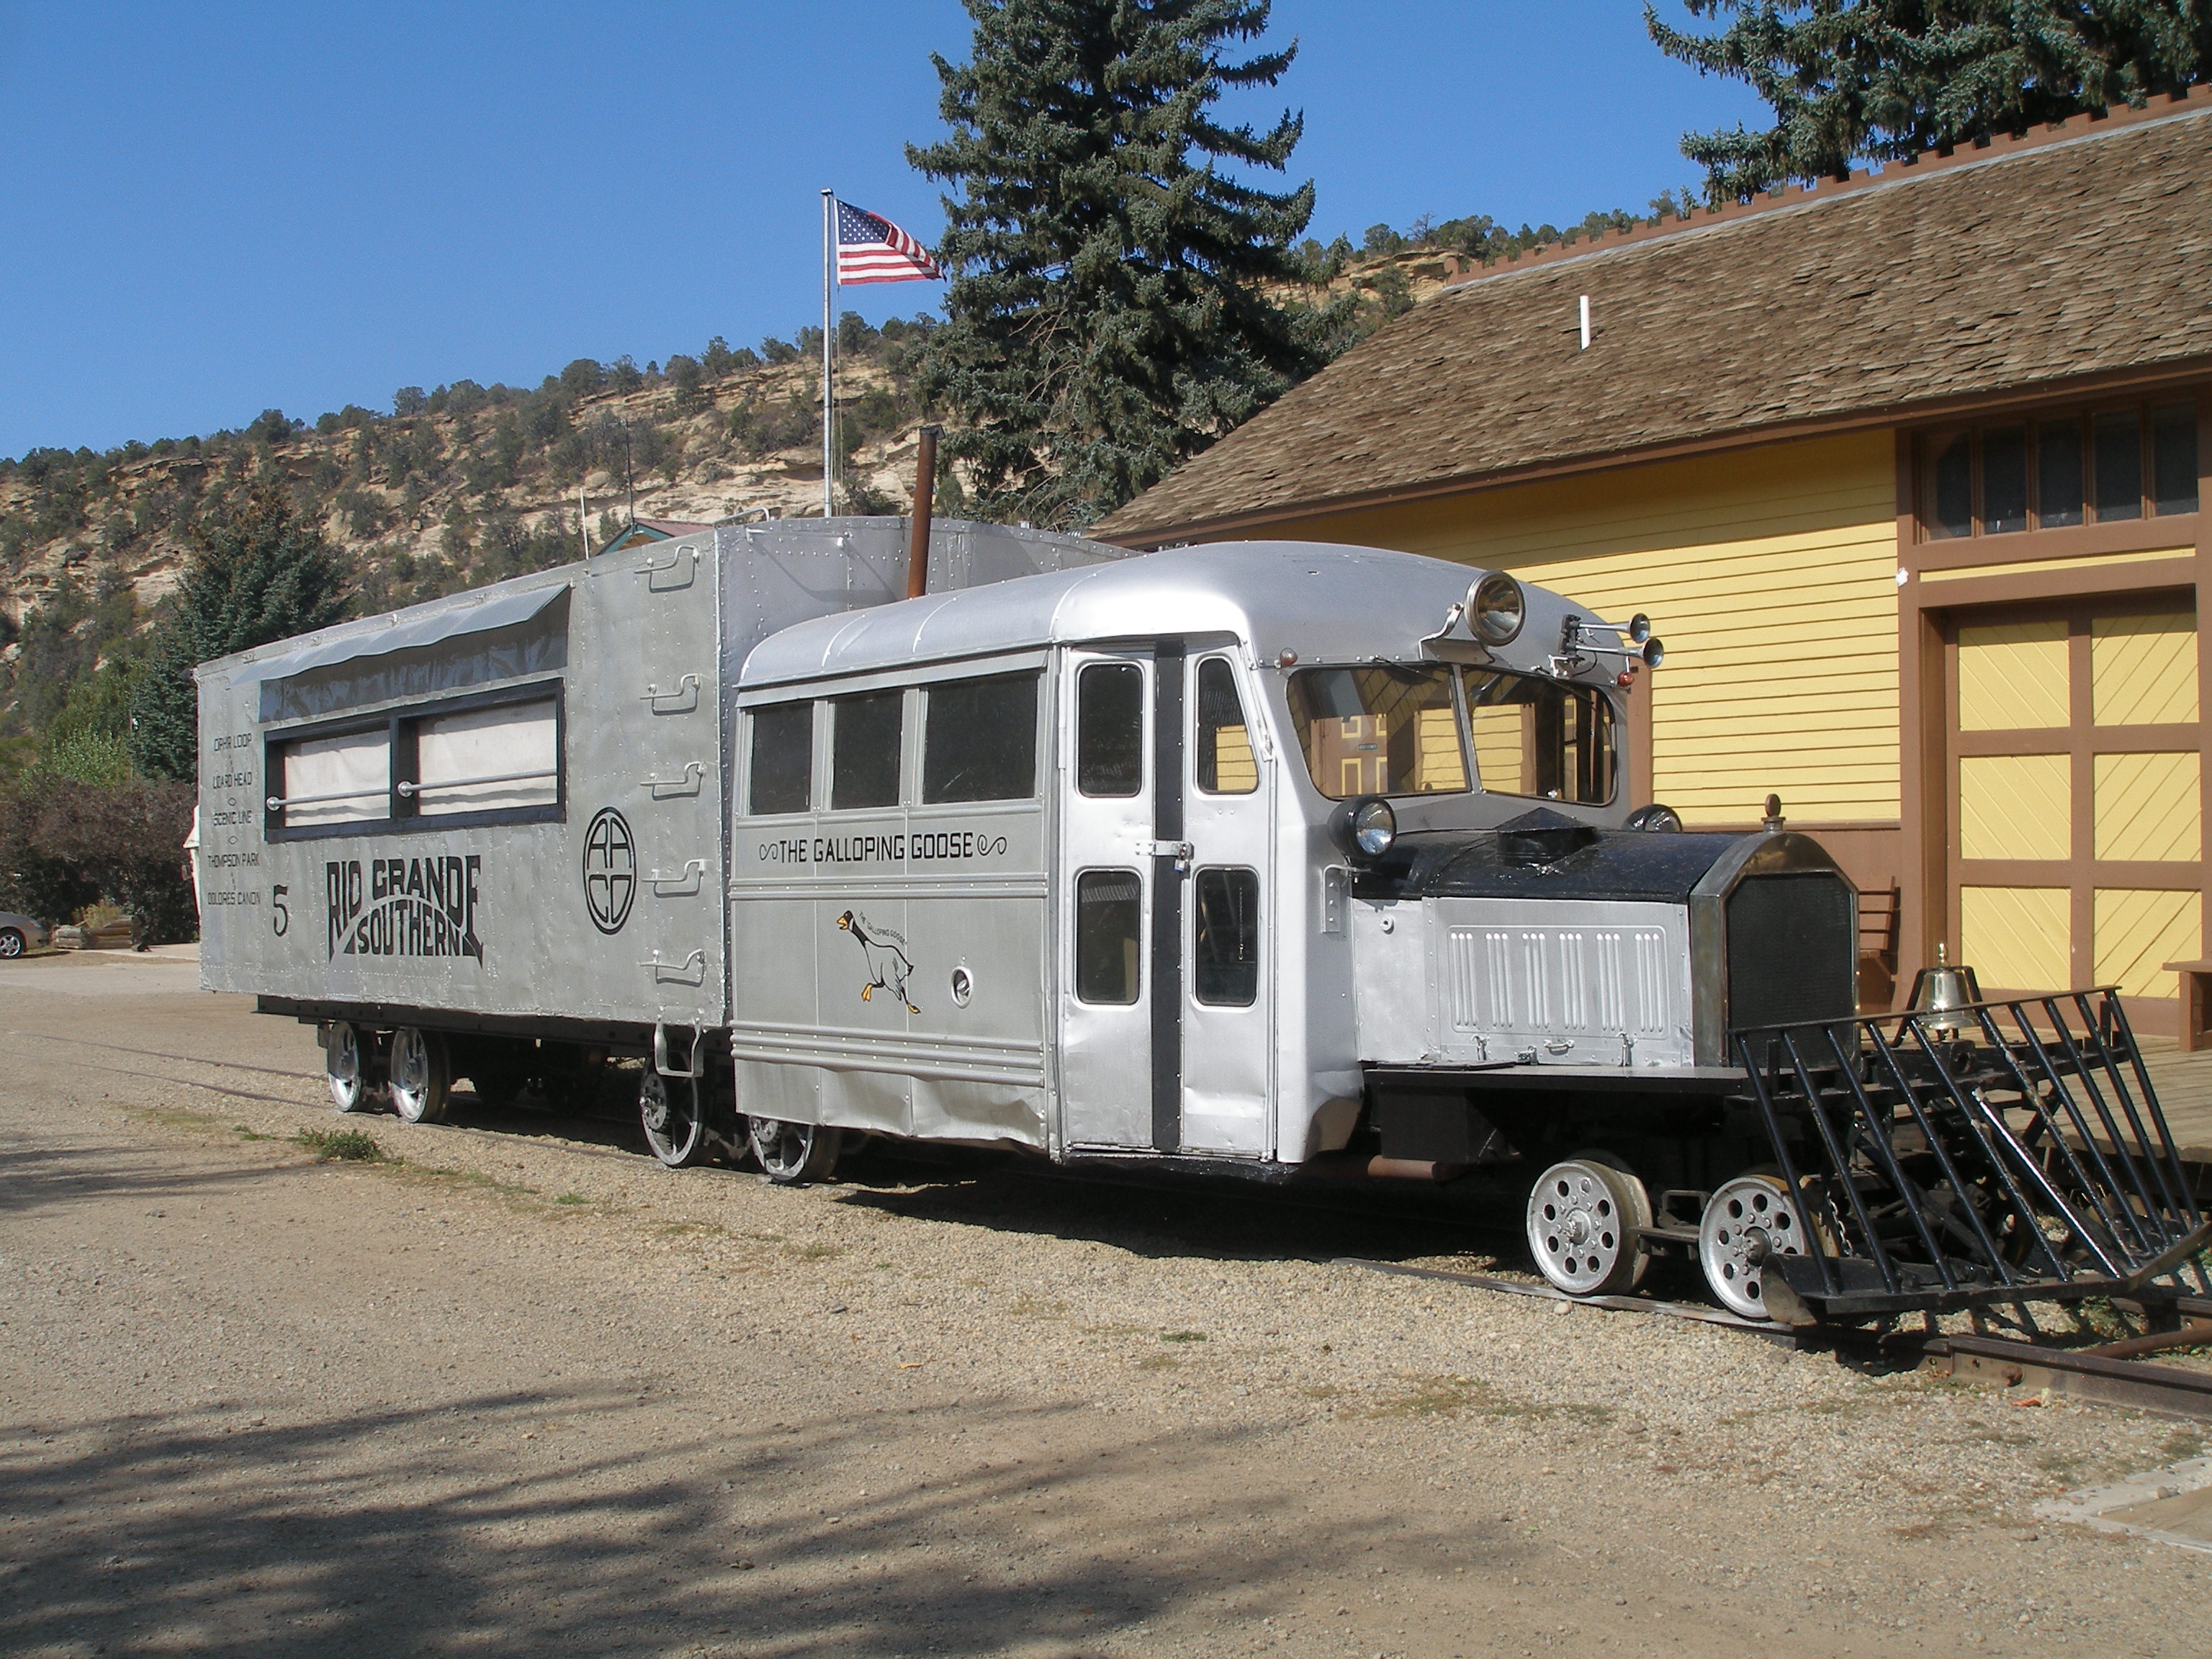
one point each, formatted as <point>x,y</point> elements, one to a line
<point>829,401</point>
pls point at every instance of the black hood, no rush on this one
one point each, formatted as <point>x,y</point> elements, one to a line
<point>1660,865</point>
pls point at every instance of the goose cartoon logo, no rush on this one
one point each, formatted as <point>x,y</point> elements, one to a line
<point>888,962</point>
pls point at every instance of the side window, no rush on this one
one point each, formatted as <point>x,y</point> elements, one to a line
<point>1225,927</point>
<point>783,758</point>
<point>330,780</point>
<point>490,759</point>
<point>980,740</point>
<point>1109,729</point>
<point>864,749</point>
<point>1226,765</point>
<point>1108,912</point>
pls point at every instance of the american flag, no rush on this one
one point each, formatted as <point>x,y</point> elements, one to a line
<point>871,249</point>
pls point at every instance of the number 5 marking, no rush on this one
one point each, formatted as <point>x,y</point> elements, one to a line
<point>281,918</point>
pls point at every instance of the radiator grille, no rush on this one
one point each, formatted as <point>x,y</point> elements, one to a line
<point>1598,980</point>
<point>1792,950</point>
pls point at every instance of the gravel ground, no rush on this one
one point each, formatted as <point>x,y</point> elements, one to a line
<point>524,1387</point>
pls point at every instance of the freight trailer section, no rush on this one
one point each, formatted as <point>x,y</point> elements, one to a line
<point>494,826</point>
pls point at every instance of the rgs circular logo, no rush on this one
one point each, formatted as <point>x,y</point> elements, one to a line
<point>610,870</point>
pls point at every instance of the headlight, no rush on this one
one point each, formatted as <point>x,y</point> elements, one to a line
<point>1365,828</point>
<point>1496,609</point>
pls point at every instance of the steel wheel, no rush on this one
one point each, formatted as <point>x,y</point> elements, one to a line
<point>420,1075</point>
<point>1749,1219</point>
<point>791,1153</point>
<point>11,942</point>
<point>342,1068</point>
<point>1583,1215</point>
<point>675,1127</point>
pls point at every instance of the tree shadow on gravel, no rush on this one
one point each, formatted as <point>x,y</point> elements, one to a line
<point>372,1535</point>
<point>42,1177</point>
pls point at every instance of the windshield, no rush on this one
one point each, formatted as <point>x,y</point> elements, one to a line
<point>1537,737</point>
<point>1389,729</point>
<point>1393,729</point>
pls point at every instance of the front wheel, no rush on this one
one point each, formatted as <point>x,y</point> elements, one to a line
<point>793,1153</point>
<point>420,1075</point>
<point>342,1067</point>
<point>1586,1218</point>
<point>675,1125</point>
<point>1746,1224</point>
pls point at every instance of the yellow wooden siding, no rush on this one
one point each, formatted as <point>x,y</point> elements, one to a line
<point>1438,762</point>
<point>2016,938</point>
<point>1966,572</point>
<point>2142,669</point>
<point>1505,744</point>
<point>1235,772</point>
<point>1771,576</point>
<point>2149,807</point>
<point>2138,932</point>
<point>2015,806</point>
<point>2012,676</point>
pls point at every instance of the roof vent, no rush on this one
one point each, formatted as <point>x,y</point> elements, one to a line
<point>1542,837</point>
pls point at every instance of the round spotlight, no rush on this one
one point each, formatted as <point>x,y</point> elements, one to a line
<point>1640,629</point>
<point>1655,817</point>
<point>1496,609</point>
<point>1374,827</point>
<point>1654,654</point>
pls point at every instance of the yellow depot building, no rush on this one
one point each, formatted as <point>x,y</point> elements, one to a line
<point>1906,471</point>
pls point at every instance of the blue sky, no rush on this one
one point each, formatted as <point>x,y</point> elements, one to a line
<point>208,210</point>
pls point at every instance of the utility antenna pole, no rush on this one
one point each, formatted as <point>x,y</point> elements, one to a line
<point>630,489</point>
<point>583,521</point>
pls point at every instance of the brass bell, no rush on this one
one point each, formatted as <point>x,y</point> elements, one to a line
<point>1940,989</point>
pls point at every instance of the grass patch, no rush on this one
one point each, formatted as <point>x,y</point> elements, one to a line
<point>1159,1362</point>
<point>342,1145</point>
<point>245,1133</point>
<point>815,1252</point>
<point>1182,1336</point>
<point>2184,1442</point>
<point>572,1198</point>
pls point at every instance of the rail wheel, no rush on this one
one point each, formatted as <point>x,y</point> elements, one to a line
<point>792,1153</point>
<point>1748,1221</point>
<point>1585,1218</point>
<point>342,1067</point>
<point>675,1125</point>
<point>420,1075</point>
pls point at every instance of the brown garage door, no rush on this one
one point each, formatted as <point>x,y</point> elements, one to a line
<point>2076,838</point>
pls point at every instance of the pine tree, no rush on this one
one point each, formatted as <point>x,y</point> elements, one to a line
<point>257,575</point>
<point>1872,80</point>
<point>1109,310</point>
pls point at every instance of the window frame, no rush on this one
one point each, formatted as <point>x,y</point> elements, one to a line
<point>812,705</point>
<point>1930,443</point>
<point>925,708</point>
<point>401,815</point>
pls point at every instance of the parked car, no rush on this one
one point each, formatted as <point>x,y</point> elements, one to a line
<point>18,934</point>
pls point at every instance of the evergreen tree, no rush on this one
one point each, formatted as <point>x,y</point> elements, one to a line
<point>257,575</point>
<point>1872,80</point>
<point>1109,310</point>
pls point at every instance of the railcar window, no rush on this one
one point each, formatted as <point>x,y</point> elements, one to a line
<point>1385,730</point>
<point>1109,729</point>
<point>980,741</point>
<point>488,759</point>
<point>864,749</point>
<point>340,780</point>
<point>1225,958</point>
<point>1225,764</point>
<point>783,758</point>
<point>1536,736</point>
<point>1110,906</point>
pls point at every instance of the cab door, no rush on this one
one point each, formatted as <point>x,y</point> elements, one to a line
<point>1227,1012</point>
<point>1106,913</point>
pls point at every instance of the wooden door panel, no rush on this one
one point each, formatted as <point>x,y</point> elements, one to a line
<point>2142,669</point>
<point>2137,931</point>
<point>2017,938</point>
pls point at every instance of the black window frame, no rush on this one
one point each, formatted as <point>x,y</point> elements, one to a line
<point>896,697</point>
<point>402,815</point>
<point>1251,933</point>
<point>1119,669</point>
<point>1135,935</point>
<point>932,689</point>
<point>1932,448</point>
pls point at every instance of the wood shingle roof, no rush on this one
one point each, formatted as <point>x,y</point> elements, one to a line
<point>2075,257</point>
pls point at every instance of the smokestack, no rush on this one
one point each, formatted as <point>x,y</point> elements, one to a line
<point>925,488</point>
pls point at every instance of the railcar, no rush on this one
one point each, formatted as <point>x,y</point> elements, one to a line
<point>1289,861</point>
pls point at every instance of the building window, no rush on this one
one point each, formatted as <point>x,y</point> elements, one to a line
<point>2104,467</point>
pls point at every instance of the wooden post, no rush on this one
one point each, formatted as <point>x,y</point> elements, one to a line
<point>924,491</point>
